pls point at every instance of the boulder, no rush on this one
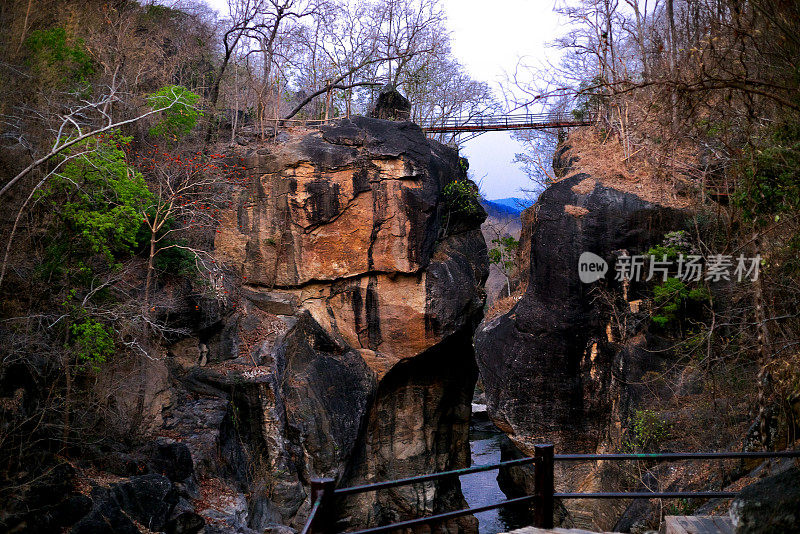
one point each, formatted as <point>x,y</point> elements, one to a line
<point>171,459</point>
<point>770,506</point>
<point>49,503</point>
<point>147,499</point>
<point>185,523</point>
<point>391,105</point>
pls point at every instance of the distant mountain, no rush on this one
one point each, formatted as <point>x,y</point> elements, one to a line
<point>500,211</point>
<point>515,203</point>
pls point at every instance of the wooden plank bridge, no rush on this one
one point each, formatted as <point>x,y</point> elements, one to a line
<point>495,123</point>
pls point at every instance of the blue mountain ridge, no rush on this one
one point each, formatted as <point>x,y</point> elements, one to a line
<point>506,206</point>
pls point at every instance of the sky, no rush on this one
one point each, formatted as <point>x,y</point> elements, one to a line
<point>489,37</point>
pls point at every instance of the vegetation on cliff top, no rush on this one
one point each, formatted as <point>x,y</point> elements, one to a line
<point>698,108</point>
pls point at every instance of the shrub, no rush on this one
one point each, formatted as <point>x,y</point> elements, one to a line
<point>674,244</point>
<point>100,198</point>
<point>54,58</point>
<point>93,342</point>
<point>181,117</point>
<point>771,179</point>
<point>648,429</point>
<point>461,197</point>
<point>668,296</point>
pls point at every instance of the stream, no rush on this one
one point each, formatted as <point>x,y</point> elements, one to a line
<point>481,488</point>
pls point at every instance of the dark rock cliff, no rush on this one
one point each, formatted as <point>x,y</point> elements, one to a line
<point>541,375</point>
<point>551,367</point>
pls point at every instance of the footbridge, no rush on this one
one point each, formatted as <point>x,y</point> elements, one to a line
<point>477,124</point>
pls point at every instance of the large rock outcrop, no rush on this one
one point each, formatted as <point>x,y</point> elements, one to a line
<point>545,365</point>
<point>340,341</point>
<point>551,367</point>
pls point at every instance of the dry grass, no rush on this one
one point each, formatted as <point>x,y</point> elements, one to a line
<point>503,305</point>
<point>604,159</point>
<point>575,211</point>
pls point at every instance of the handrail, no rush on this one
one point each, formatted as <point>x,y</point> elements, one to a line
<point>504,122</point>
<point>444,516</point>
<point>724,455</point>
<point>475,123</point>
<point>312,515</point>
<point>433,476</point>
<point>321,520</point>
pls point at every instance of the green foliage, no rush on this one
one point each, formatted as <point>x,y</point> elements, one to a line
<point>771,181</point>
<point>674,244</point>
<point>648,428</point>
<point>182,115</point>
<point>668,297</point>
<point>93,342</point>
<point>159,13</point>
<point>504,253</point>
<point>52,56</point>
<point>101,198</point>
<point>700,294</point>
<point>170,259</point>
<point>461,197</point>
<point>671,295</point>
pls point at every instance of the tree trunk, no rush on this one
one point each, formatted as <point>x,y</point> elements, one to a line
<point>149,269</point>
<point>214,98</point>
<point>67,403</point>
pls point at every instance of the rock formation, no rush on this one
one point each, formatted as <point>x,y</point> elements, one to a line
<point>551,368</point>
<point>391,105</point>
<point>340,344</point>
<point>770,505</point>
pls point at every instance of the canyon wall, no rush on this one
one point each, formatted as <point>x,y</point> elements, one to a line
<point>553,367</point>
<point>341,344</point>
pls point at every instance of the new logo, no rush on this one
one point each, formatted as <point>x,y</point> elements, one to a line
<point>591,267</point>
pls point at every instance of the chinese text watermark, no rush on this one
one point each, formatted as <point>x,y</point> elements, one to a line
<point>687,268</point>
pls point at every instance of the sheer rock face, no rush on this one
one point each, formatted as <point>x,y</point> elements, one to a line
<point>551,368</point>
<point>542,378</point>
<point>369,373</point>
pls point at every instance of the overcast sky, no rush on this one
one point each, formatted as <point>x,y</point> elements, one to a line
<point>489,37</point>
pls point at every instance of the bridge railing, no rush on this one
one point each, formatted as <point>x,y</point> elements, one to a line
<point>322,518</point>
<point>502,122</point>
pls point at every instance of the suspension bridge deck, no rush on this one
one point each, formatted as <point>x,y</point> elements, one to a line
<point>491,123</point>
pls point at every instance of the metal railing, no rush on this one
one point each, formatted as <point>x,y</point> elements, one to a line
<point>475,123</point>
<point>485,123</point>
<point>322,518</point>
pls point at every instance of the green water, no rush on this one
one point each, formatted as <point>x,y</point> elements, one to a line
<point>482,488</point>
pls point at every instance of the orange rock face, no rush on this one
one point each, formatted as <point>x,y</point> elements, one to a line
<point>349,234</point>
<point>345,235</point>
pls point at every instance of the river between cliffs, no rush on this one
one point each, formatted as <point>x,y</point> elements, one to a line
<point>482,488</point>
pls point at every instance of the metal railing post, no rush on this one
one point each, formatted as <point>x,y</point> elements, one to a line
<point>323,522</point>
<point>544,486</point>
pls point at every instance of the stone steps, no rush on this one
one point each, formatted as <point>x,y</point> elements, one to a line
<point>697,524</point>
